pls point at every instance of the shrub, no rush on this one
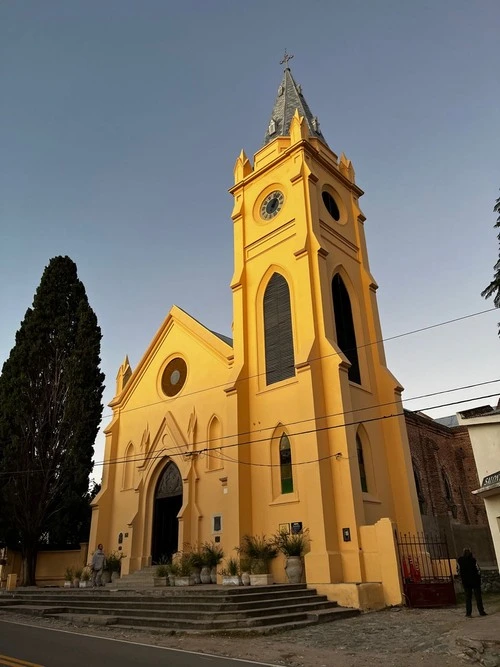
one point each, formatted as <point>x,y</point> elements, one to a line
<point>85,574</point>
<point>292,545</point>
<point>162,570</point>
<point>114,561</point>
<point>69,575</point>
<point>232,568</point>
<point>259,550</point>
<point>212,554</point>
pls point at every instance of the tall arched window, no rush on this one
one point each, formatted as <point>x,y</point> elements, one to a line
<point>286,473</point>
<point>344,324</point>
<point>361,464</point>
<point>128,472</point>
<point>278,336</point>
<point>420,493</point>
<point>214,461</point>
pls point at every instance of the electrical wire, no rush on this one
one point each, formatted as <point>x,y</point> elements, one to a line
<point>166,452</point>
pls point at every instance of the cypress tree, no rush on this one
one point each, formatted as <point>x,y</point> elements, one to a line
<point>50,409</point>
<point>493,288</point>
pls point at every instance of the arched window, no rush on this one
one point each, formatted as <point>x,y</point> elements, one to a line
<point>361,464</point>
<point>128,472</point>
<point>286,465</point>
<point>278,336</point>
<point>448,494</point>
<point>214,461</point>
<point>344,324</point>
<point>420,493</point>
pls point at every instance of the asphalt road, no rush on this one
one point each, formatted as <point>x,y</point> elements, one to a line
<point>29,646</point>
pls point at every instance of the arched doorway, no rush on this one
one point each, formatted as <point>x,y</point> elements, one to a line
<point>167,503</point>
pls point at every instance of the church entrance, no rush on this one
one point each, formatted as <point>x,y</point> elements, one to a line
<point>168,502</point>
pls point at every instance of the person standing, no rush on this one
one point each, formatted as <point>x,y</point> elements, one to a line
<point>470,574</point>
<point>98,564</point>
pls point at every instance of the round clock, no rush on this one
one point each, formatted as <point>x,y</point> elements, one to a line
<point>272,205</point>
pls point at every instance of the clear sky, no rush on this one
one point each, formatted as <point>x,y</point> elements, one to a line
<point>120,121</point>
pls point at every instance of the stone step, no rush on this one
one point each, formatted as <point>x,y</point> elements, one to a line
<point>165,604</point>
<point>197,609</point>
<point>167,615</point>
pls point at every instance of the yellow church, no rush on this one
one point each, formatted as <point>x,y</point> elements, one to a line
<point>296,420</point>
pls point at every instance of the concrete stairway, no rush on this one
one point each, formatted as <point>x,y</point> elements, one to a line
<point>139,580</point>
<point>191,609</point>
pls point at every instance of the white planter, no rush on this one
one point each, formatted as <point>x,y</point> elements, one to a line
<point>106,577</point>
<point>261,579</point>
<point>205,575</point>
<point>183,581</point>
<point>294,569</point>
<point>230,580</point>
<point>85,584</point>
<point>67,584</point>
<point>213,575</point>
<point>159,581</point>
<point>76,583</point>
<point>245,578</point>
<point>115,576</point>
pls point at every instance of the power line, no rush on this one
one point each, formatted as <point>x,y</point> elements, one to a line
<point>165,452</point>
<point>326,356</point>
<point>339,414</point>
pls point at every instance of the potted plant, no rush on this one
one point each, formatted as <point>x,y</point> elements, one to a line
<point>231,573</point>
<point>77,573</point>
<point>213,555</point>
<point>161,575</point>
<point>185,569</point>
<point>172,573</point>
<point>85,578</point>
<point>293,547</point>
<point>260,551</point>
<point>114,564</point>
<point>245,568</point>
<point>68,577</point>
<point>197,563</point>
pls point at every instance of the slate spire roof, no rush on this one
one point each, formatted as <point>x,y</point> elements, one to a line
<point>288,100</point>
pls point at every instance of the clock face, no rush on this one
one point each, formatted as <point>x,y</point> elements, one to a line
<point>272,205</point>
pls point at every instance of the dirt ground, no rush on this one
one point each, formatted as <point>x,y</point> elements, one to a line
<point>397,637</point>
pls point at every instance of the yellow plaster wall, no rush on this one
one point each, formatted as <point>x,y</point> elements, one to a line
<point>50,567</point>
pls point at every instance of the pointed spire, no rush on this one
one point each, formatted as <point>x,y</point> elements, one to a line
<point>289,100</point>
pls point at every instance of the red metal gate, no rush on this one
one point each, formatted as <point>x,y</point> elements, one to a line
<point>426,570</point>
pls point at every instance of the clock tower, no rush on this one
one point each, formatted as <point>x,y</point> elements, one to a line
<point>308,354</point>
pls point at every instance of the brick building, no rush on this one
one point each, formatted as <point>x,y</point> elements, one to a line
<point>445,476</point>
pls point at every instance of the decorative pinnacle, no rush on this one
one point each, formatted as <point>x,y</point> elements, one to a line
<point>285,60</point>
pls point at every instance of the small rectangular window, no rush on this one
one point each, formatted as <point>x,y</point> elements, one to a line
<point>217,523</point>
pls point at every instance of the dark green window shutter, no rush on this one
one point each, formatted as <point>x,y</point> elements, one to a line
<point>278,336</point>
<point>344,324</point>
<point>286,465</point>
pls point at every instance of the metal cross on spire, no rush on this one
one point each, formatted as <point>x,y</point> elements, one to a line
<point>285,60</point>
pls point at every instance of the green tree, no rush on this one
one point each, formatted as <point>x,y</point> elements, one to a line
<point>493,288</point>
<point>50,409</point>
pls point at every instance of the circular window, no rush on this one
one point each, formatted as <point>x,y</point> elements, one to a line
<point>331,205</point>
<point>174,377</point>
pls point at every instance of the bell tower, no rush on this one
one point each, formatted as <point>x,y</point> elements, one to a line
<point>308,358</point>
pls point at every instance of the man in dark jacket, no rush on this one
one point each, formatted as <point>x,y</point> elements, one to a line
<point>469,572</point>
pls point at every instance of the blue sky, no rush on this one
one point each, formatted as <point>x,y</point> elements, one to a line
<point>120,122</point>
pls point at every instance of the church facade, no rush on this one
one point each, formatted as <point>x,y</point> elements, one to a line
<point>295,421</point>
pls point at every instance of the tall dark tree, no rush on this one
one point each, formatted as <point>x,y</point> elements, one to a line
<point>493,288</point>
<point>50,409</point>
